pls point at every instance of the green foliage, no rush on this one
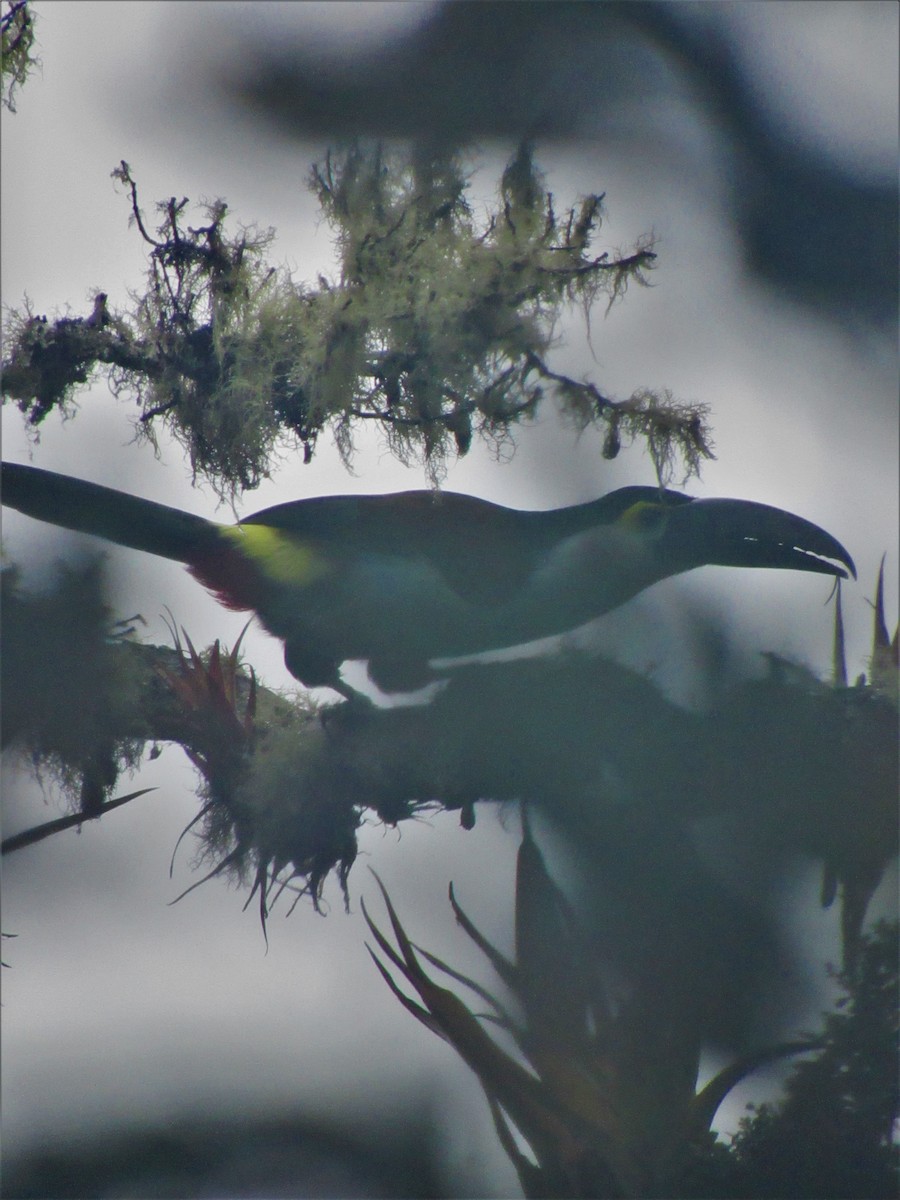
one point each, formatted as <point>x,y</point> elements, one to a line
<point>831,1135</point>
<point>16,46</point>
<point>436,327</point>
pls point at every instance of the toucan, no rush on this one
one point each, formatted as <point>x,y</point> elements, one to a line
<point>400,580</point>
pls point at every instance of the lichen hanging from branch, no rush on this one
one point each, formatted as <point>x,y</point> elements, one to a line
<point>436,327</point>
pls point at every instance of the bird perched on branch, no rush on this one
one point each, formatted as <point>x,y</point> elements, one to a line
<point>400,580</point>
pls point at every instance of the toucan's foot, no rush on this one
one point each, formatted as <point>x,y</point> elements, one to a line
<point>319,671</point>
<point>355,710</point>
<point>350,694</point>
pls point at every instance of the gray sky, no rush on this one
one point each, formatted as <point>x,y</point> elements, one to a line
<point>118,1003</point>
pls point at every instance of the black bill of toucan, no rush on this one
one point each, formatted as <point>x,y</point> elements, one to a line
<point>743,533</point>
<point>403,579</point>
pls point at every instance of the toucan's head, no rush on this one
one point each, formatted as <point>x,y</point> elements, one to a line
<point>689,533</point>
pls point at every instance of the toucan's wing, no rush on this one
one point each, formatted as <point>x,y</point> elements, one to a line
<point>484,552</point>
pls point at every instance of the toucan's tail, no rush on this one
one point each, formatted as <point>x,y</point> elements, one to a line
<point>106,513</point>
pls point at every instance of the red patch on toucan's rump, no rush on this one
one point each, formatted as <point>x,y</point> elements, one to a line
<point>230,576</point>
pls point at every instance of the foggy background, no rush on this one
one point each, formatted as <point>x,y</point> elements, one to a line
<point>120,1009</point>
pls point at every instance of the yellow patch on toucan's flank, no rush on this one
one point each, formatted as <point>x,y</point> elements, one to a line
<point>279,556</point>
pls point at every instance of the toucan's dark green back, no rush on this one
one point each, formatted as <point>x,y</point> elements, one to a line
<point>400,522</point>
<point>485,551</point>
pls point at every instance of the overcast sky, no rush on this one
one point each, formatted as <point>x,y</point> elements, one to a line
<point>119,1003</point>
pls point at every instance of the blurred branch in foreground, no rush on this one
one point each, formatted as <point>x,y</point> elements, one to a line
<point>793,765</point>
